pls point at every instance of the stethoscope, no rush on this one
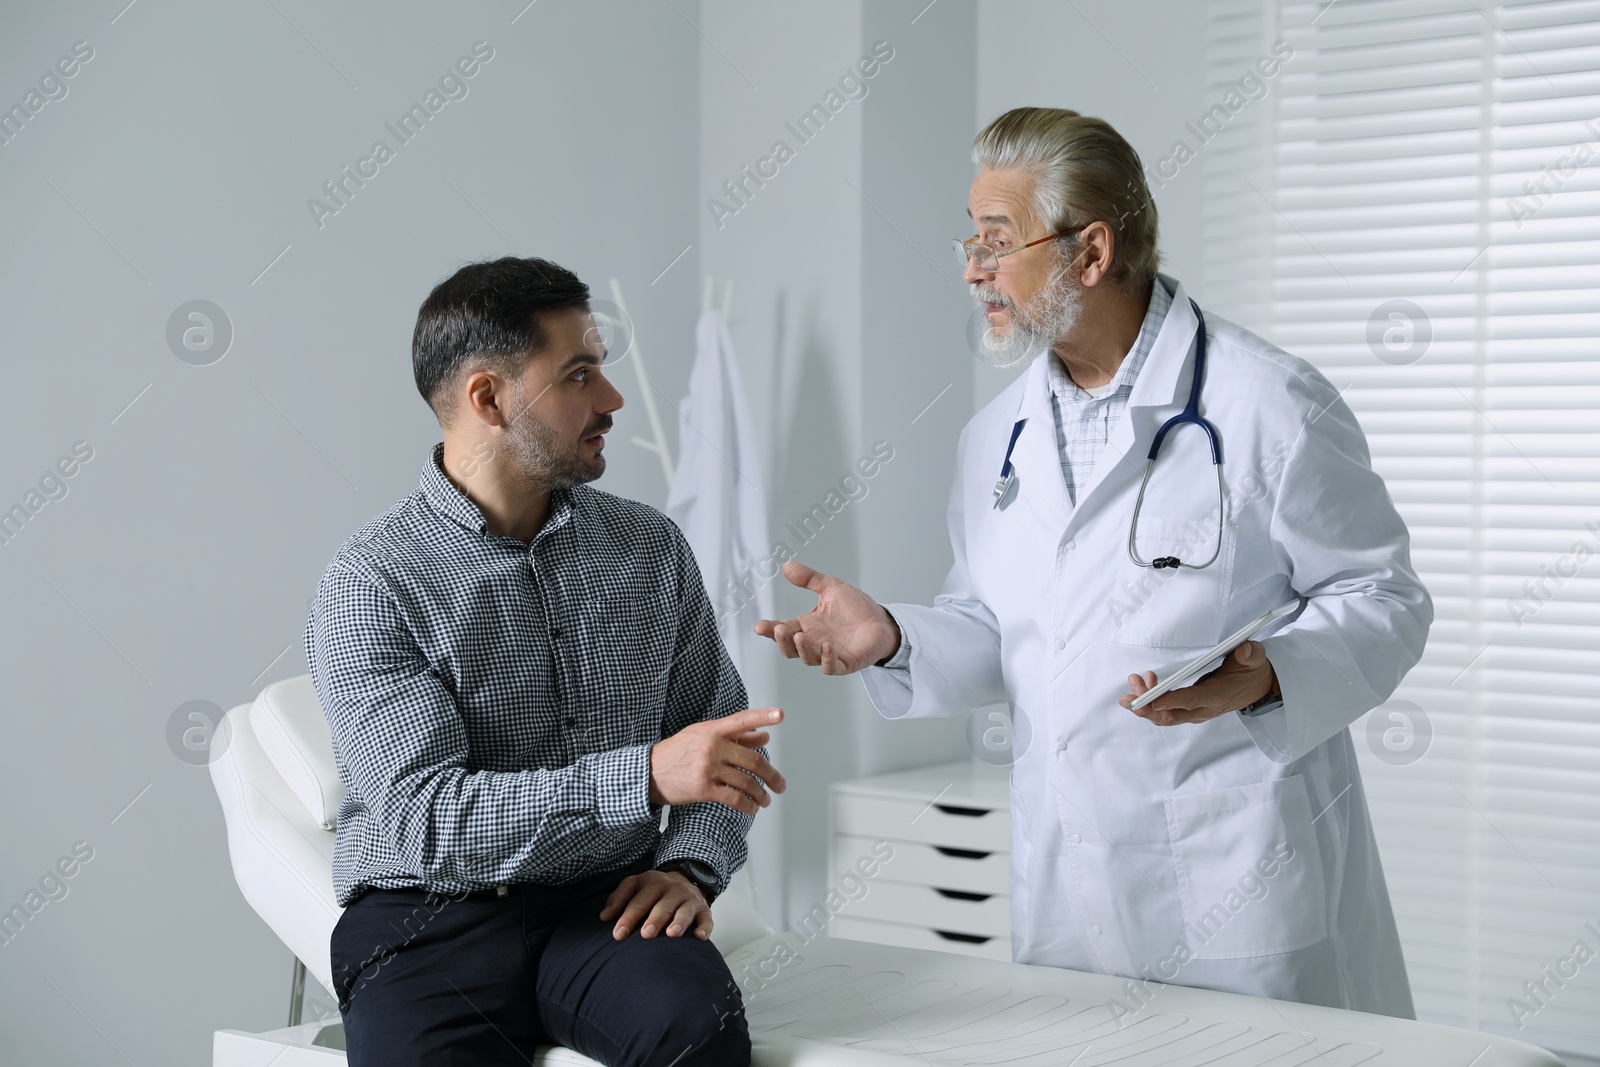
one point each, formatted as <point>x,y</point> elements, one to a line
<point>1189,414</point>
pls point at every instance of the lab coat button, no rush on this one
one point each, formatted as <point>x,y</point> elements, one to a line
<point>1061,746</point>
<point>1075,839</point>
<point>1060,644</point>
<point>1095,930</point>
<point>1070,545</point>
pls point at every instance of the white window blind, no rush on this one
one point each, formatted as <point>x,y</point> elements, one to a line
<point>1413,205</point>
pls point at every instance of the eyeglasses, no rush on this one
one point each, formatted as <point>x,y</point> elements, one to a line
<point>988,259</point>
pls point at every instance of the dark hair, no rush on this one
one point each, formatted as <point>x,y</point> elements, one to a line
<point>488,314</point>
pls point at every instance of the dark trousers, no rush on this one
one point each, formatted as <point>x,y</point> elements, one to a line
<point>480,979</point>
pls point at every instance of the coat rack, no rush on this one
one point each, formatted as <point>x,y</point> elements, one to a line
<point>657,443</point>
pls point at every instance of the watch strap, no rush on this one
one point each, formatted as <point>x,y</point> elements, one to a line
<point>1262,706</point>
<point>1271,702</point>
<point>700,873</point>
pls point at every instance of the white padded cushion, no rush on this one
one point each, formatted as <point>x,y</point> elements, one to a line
<point>838,1003</point>
<point>282,860</point>
<point>288,722</point>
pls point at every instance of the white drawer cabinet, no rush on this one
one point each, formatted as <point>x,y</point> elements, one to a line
<point>973,870</point>
<point>989,948</point>
<point>947,885</point>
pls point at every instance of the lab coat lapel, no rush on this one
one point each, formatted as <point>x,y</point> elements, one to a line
<point>1041,486</point>
<point>1161,385</point>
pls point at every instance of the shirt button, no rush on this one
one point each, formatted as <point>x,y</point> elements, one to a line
<point>1075,839</point>
<point>1070,545</point>
<point>555,632</point>
<point>1061,746</point>
<point>1095,930</point>
<point>1060,644</point>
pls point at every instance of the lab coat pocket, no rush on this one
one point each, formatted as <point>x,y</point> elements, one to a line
<point>1249,870</point>
<point>1179,607</point>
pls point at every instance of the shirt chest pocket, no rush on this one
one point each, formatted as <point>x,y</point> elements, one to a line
<point>630,663</point>
<point>1174,607</point>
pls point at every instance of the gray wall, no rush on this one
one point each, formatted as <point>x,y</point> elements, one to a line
<point>845,304</point>
<point>1140,66</point>
<point>178,565</point>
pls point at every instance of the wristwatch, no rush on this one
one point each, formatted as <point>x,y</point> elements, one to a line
<point>900,658</point>
<point>1271,702</point>
<point>700,873</point>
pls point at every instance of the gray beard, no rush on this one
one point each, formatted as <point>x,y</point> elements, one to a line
<point>542,458</point>
<point>1034,327</point>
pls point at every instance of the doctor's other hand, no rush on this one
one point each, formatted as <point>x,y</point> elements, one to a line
<point>846,630</point>
<point>717,760</point>
<point>1246,675</point>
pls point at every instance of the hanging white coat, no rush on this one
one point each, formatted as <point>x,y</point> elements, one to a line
<point>1234,854</point>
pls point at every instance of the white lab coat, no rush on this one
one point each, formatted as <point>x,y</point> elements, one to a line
<point>715,497</point>
<point>1236,854</point>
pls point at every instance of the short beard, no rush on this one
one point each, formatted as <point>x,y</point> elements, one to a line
<point>544,459</point>
<point>1052,313</point>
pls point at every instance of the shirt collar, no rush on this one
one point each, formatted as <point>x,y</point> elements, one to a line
<point>1064,388</point>
<point>443,494</point>
<point>456,506</point>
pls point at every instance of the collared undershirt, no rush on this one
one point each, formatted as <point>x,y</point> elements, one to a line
<point>1084,419</point>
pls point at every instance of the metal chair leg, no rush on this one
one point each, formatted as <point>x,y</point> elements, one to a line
<point>297,992</point>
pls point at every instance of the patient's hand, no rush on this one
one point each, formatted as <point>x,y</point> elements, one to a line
<point>716,760</point>
<point>660,899</point>
<point>846,631</point>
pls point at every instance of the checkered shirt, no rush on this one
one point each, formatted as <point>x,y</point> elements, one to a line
<point>493,701</point>
<point>1083,422</point>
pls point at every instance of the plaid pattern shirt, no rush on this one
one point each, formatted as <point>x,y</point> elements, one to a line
<point>493,701</point>
<point>1084,422</point>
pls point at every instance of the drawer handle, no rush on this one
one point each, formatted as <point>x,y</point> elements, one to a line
<point>970,939</point>
<point>962,894</point>
<point>962,853</point>
<point>957,809</point>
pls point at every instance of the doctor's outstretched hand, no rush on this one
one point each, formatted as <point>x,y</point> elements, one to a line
<point>1246,675</point>
<point>846,631</point>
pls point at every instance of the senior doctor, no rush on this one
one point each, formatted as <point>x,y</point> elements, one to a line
<point>1218,837</point>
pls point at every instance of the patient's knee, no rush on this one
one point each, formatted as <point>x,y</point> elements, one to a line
<point>718,1036</point>
<point>726,1047</point>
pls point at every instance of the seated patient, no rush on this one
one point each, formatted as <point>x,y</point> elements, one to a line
<point>520,672</point>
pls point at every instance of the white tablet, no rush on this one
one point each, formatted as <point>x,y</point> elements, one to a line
<point>1213,655</point>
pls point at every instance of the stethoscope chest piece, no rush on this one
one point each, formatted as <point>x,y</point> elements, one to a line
<point>1004,489</point>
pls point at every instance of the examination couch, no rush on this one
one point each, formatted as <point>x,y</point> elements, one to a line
<point>810,1002</point>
